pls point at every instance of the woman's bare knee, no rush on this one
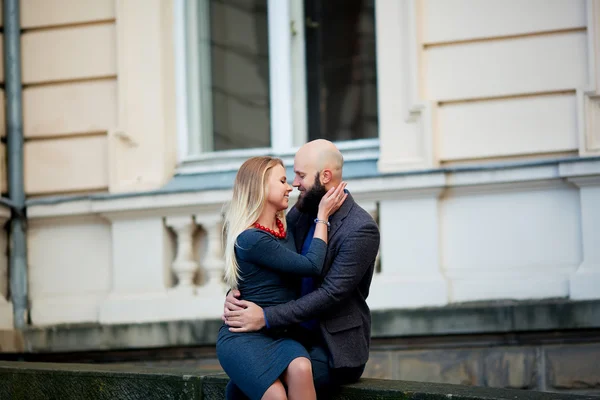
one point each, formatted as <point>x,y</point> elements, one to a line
<point>299,368</point>
<point>299,380</point>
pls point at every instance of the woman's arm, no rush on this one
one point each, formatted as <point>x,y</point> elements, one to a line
<point>263,249</point>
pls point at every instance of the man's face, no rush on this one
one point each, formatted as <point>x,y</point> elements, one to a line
<point>308,182</point>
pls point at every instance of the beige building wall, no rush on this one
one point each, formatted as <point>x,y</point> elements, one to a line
<point>472,83</point>
<point>99,116</point>
<point>97,88</point>
<point>69,73</point>
<point>504,86</point>
<point>480,82</point>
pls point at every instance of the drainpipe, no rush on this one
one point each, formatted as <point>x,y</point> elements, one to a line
<point>14,145</point>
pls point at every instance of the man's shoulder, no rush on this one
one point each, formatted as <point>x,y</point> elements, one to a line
<point>358,221</point>
<point>359,216</point>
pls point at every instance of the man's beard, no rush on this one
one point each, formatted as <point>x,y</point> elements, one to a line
<point>309,201</point>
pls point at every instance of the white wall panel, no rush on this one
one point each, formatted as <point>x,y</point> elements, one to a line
<point>69,269</point>
<point>70,108</point>
<point>450,20</point>
<point>506,67</point>
<point>495,237</point>
<point>81,52</point>
<point>66,165</point>
<point>42,13</point>
<point>507,127</point>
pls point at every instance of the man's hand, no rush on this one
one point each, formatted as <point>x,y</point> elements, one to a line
<point>248,318</point>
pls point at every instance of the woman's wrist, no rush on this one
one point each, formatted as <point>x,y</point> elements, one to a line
<point>322,221</point>
<point>323,216</point>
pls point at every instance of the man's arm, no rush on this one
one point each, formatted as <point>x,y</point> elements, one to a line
<point>346,272</point>
<point>356,255</point>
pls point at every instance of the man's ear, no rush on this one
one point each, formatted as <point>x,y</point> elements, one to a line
<point>326,176</point>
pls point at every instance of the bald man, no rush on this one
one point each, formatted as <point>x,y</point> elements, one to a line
<point>332,308</point>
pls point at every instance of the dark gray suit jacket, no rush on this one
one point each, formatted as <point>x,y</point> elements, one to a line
<point>339,302</point>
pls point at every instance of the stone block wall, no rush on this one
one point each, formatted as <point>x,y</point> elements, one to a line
<point>571,368</point>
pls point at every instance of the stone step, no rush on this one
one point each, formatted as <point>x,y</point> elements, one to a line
<point>48,381</point>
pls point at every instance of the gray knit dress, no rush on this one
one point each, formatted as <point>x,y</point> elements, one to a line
<point>270,272</point>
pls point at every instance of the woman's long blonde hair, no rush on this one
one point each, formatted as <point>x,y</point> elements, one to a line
<point>247,203</point>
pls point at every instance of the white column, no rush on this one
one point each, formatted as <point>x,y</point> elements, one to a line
<point>410,260</point>
<point>588,99</point>
<point>405,120</point>
<point>142,147</point>
<point>211,294</point>
<point>185,266</point>
<point>585,282</point>
<point>214,262</point>
<point>142,255</point>
<point>280,72</point>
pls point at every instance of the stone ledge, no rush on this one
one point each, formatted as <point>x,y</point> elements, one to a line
<point>488,317</point>
<point>364,172</point>
<point>31,381</point>
<point>462,319</point>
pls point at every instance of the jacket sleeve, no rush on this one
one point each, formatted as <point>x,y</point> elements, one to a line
<point>263,249</point>
<point>356,255</point>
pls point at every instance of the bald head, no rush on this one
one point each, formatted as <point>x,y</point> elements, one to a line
<point>321,156</point>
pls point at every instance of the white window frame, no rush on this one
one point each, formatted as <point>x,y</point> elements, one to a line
<point>288,115</point>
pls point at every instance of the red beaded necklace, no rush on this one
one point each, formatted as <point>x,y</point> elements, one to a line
<point>280,234</point>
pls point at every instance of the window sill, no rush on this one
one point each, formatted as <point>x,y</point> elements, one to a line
<point>231,160</point>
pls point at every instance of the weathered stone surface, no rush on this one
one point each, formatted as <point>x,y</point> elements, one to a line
<point>389,389</point>
<point>124,336</point>
<point>573,367</point>
<point>441,366</point>
<point>510,368</point>
<point>77,381</point>
<point>213,387</point>
<point>34,381</point>
<point>379,365</point>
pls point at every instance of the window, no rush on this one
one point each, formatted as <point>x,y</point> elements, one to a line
<point>227,55</point>
<point>265,76</point>
<point>340,69</point>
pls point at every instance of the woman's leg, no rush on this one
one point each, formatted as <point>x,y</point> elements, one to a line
<point>275,392</point>
<point>299,380</point>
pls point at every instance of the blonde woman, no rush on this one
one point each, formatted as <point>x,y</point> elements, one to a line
<point>261,261</point>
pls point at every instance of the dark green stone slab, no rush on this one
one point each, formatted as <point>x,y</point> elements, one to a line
<point>45,381</point>
<point>32,381</point>
<point>383,389</point>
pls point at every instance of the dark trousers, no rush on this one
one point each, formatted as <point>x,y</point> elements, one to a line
<point>327,380</point>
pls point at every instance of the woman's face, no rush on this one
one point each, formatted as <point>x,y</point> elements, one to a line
<point>278,189</point>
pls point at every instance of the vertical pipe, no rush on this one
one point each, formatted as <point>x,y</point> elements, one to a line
<point>14,136</point>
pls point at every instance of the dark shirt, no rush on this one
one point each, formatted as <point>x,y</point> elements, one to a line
<point>308,284</point>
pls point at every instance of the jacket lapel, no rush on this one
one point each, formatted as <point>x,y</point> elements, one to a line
<point>304,221</point>
<point>336,219</point>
